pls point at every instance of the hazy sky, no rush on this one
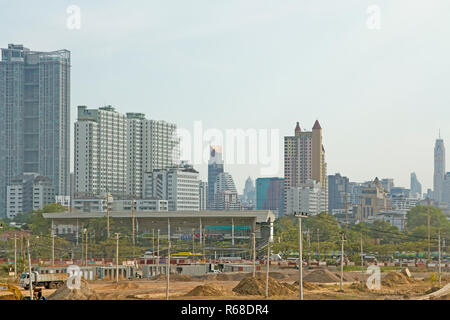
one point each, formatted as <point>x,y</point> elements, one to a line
<point>380,95</point>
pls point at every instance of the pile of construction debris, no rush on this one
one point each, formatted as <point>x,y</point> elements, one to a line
<point>84,293</point>
<point>207,290</point>
<point>321,276</point>
<point>257,286</point>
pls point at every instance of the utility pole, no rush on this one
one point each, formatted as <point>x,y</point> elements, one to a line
<point>428,230</point>
<point>300,253</point>
<point>29,271</point>
<point>107,214</point>
<point>254,253</point>
<point>117,257</point>
<point>193,244</point>
<point>342,262</point>
<point>153,243</point>
<point>268,257</point>
<point>157,258</point>
<point>53,248</point>
<point>362,264</point>
<point>267,269</point>
<point>318,243</point>
<point>168,259</point>
<point>133,232</point>
<point>82,247</point>
<point>15,255</point>
<point>204,244</point>
<point>439,257</point>
<point>87,233</point>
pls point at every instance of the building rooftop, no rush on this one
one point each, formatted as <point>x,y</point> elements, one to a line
<point>260,215</point>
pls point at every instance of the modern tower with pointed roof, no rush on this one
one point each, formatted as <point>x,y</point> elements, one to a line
<point>304,158</point>
<point>439,168</point>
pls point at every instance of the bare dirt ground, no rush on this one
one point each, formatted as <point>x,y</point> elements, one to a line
<point>220,287</point>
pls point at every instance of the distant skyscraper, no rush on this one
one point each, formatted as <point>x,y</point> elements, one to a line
<point>338,192</point>
<point>446,189</point>
<point>439,169</point>
<point>270,195</point>
<point>215,167</point>
<point>34,117</point>
<point>225,193</point>
<point>387,184</point>
<point>203,195</point>
<point>304,159</point>
<point>249,194</point>
<point>416,187</point>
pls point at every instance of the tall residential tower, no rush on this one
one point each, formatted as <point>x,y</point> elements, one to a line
<point>34,117</point>
<point>304,159</point>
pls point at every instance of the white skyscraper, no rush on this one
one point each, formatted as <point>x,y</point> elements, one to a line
<point>178,185</point>
<point>307,197</point>
<point>113,150</point>
<point>151,145</point>
<point>100,152</point>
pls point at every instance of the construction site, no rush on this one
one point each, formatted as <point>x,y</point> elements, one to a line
<point>203,256</point>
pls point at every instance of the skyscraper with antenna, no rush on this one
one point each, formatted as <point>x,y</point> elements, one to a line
<point>439,168</point>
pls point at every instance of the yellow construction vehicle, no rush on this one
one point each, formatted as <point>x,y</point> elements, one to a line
<point>16,294</point>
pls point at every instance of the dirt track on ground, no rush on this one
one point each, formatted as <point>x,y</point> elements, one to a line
<point>221,287</point>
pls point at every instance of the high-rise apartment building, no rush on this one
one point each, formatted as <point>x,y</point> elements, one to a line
<point>34,117</point>
<point>178,185</point>
<point>307,197</point>
<point>151,145</point>
<point>304,159</point>
<point>446,189</point>
<point>28,192</point>
<point>113,151</point>
<point>338,192</point>
<point>215,167</point>
<point>101,160</point>
<point>439,169</point>
<point>270,195</point>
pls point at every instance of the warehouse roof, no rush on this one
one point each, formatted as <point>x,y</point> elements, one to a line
<point>260,215</point>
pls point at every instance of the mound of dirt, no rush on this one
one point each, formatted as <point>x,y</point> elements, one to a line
<point>257,286</point>
<point>84,293</point>
<point>393,279</point>
<point>306,285</point>
<point>321,276</point>
<point>207,290</point>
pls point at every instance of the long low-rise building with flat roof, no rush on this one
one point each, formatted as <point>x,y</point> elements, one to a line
<point>183,225</point>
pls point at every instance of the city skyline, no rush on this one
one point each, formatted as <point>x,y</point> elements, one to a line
<point>359,100</point>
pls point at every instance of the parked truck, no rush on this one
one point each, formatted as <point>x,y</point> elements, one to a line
<point>48,280</point>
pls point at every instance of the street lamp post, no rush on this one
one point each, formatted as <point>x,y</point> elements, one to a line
<point>300,215</point>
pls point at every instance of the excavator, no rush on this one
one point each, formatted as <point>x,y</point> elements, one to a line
<point>16,294</point>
